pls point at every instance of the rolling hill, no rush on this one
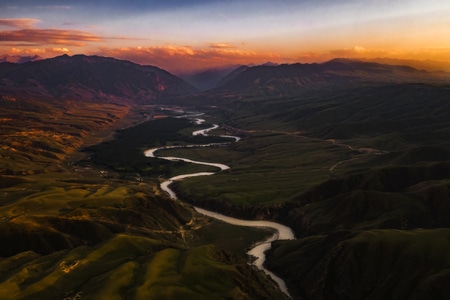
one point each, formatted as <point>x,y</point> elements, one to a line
<point>357,166</point>
<point>354,156</point>
<point>74,231</point>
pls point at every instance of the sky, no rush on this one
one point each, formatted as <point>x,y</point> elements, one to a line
<point>186,35</point>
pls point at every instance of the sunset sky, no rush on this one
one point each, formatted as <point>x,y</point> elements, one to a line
<point>183,35</point>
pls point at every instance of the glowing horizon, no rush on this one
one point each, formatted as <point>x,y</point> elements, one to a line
<point>182,36</point>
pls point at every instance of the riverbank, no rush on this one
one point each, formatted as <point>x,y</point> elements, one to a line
<point>258,251</point>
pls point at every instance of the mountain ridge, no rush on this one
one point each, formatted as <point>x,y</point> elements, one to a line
<point>428,65</point>
<point>19,59</point>
<point>309,160</point>
<point>210,78</point>
<point>287,78</point>
<point>82,77</point>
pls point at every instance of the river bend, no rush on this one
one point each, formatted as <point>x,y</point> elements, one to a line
<point>281,232</point>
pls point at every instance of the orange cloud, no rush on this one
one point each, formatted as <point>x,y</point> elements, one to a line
<point>43,52</point>
<point>356,52</point>
<point>221,46</point>
<point>29,36</point>
<point>49,36</point>
<point>179,59</point>
<point>442,54</point>
<point>19,23</point>
<point>360,52</point>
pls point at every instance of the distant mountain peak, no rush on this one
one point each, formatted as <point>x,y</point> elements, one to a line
<point>269,64</point>
<point>18,59</point>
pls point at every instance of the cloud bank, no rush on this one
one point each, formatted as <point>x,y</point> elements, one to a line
<point>181,59</point>
<point>49,36</point>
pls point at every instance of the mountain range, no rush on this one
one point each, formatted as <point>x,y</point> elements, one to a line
<point>428,65</point>
<point>90,78</point>
<point>214,77</point>
<point>19,59</point>
<point>209,78</point>
<point>103,78</point>
<point>354,156</point>
<point>288,78</point>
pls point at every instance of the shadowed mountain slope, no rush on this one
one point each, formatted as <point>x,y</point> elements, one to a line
<point>288,78</point>
<point>359,171</point>
<point>209,78</point>
<point>355,157</point>
<point>89,78</point>
<point>19,59</point>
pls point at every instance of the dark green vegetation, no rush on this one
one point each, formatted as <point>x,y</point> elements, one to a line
<point>356,162</point>
<point>124,154</point>
<point>355,171</point>
<point>69,229</point>
<point>369,264</point>
<point>354,132</point>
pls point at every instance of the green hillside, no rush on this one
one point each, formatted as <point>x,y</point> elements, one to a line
<point>360,172</point>
<point>76,227</point>
<point>362,175</point>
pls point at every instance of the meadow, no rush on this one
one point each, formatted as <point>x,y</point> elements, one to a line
<point>72,227</point>
<point>375,226</point>
<point>360,174</point>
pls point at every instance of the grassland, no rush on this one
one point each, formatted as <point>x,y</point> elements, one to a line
<point>124,154</point>
<point>75,229</point>
<point>294,143</point>
<point>266,168</point>
<point>133,267</point>
<point>360,173</point>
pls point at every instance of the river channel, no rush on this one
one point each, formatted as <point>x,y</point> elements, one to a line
<point>281,232</point>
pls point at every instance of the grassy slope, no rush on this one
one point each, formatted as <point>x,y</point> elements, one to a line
<point>371,264</point>
<point>266,169</point>
<point>365,204</point>
<point>291,143</point>
<point>71,230</point>
<point>134,267</point>
<point>358,225</point>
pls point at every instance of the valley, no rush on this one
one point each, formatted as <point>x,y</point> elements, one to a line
<point>72,229</point>
<point>394,184</point>
<point>359,170</point>
<point>258,251</point>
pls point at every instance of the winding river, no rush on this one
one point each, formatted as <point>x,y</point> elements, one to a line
<point>281,232</point>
